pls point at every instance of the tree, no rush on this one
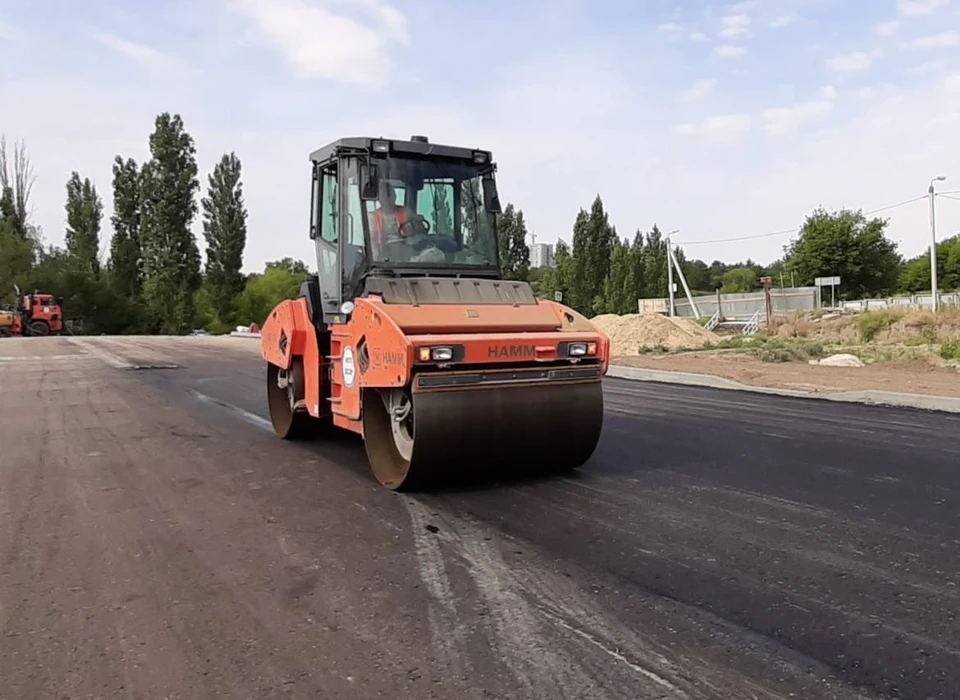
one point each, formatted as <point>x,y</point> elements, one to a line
<point>514,252</point>
<point>171,260</point>
<point>16,184</point>
<point>845,243</point>
<point>739,280</point>
<point>655,265</point>
<point>84,213</point>
<point>557,278</point>
<point>618,296</point>
<point>592,241</point>
<point>916,272</point>
<point>698,275</point>
<point>16,259</point>
<point>636,275</point>
<point>86,299</point>
<point>225,228</point>
<point>294,267</point>
<point>280,280</point>
<point>125,253</point>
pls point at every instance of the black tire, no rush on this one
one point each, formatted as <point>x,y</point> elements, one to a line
<point>6,332</point>
<point>38,328</point>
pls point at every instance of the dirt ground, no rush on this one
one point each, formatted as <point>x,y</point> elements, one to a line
<point>912,377</point>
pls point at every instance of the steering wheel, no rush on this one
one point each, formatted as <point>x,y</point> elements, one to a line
<point>442,243</point>
<point>409,222</point>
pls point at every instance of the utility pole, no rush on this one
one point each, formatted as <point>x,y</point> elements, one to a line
<point>768,302</point>
<point>670,269</point>
<point>933,241</point>
<point>683,281</point>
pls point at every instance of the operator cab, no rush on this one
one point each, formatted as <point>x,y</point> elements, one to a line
<point>388,209</point>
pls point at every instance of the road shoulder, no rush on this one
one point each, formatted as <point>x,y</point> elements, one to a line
<point>867,396</point>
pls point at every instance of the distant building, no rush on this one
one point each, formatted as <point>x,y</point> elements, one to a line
<point>541,255</point>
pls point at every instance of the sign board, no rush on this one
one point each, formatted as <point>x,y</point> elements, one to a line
<point>827,281</point>
<point>558,296</point>
<point>652,306</point>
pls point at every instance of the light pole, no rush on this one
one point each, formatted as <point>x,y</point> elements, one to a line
<point>670,268</point>
<point>933,240</point>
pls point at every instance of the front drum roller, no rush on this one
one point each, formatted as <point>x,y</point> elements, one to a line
<point>413,440</point>
<point>285,392</point>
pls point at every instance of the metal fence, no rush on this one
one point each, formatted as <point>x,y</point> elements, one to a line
<point>914,301</point>
<point>789,300</point>
<point>783,301</point>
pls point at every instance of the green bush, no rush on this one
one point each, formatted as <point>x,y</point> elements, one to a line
<point>950,350</point>
<point>872,322</point>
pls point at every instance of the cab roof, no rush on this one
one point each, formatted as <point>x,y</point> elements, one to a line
<point>417,145</point>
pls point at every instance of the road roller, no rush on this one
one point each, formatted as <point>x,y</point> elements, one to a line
<point>409,335</point>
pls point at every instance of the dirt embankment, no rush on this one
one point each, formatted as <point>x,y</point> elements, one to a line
<point>904,351</point>
<point>631,332</point>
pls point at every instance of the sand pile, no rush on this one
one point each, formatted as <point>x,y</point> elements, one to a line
<point>631,331</point>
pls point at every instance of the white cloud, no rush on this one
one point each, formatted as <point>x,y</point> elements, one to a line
<point>887,28</point>
<point>721,126</point>
<point>9,32</point>
<point>927,67</point>
<point>851,62</point>
<point>952,83</point>
<point>729,51</point>
<point>700,89</point>
<point>698,36</point>
<point>734,32</point>
<point>782,21</point>
<point>744,6</point>
<point>740,20</point>
<point>782,120</point>
<point>321,43</point>
<point>670,28</point>
<point>828,92</point>
<point>143,54</point>
<point>920,7</point>
<point>933,41</point>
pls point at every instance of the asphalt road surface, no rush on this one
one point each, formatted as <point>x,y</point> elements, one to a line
<point>158,541</point>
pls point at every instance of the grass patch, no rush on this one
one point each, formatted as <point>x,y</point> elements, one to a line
<point>768,348</point>
<point>872,322</point>
<point>950,350</point>
<point>647,349</point>
<point>787,349</point>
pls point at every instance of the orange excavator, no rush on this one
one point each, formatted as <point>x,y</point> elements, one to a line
<point>409,336</point>
<point>34,314</point>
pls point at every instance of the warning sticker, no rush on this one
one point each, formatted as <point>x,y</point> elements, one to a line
<point>348,368</point>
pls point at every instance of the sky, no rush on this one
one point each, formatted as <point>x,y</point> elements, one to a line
<point>716,120</point>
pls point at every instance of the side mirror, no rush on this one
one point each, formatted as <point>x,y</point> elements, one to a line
<point>491,200</point>
<point>369,182</point>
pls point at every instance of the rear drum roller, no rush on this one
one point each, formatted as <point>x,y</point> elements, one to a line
<point>412,440</point>
<point>285,388</point>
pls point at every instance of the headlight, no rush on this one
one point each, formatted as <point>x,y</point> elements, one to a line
<point>578,349</point>
<point>440,353</point>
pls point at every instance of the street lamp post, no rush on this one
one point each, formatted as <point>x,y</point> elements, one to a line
<point>933,240</point>
<point>670,269</point>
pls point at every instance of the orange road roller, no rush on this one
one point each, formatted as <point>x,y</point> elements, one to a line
<point>408,334</point>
